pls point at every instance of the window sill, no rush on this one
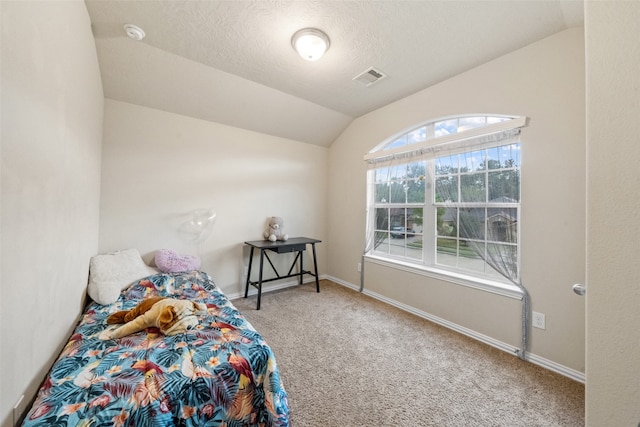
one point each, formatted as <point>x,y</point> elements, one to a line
<point>487,285</point>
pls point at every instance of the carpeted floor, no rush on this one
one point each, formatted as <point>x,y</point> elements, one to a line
<point>349,360</point>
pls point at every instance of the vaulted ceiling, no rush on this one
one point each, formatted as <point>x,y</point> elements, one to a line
<point>232,62</point>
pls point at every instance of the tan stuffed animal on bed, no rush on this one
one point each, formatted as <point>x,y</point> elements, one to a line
<point>172,316</point>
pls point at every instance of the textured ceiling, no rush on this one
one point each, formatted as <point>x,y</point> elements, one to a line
<point>232,62</point>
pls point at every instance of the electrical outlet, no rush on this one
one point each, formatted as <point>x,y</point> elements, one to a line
<point>359,267</point>
<point>538,320</point>
<point>18,409</point>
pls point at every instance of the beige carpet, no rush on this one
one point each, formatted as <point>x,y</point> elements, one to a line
<point>349,360</point>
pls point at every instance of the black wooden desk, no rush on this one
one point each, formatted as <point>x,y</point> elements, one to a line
<point>293,244</point>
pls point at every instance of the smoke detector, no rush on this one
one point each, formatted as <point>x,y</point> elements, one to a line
<point>370,76</point>
<point>134,32</point>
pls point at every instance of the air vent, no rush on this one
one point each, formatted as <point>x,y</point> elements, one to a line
<point>370,76</point>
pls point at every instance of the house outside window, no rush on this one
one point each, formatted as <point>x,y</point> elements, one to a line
<point>446,196</point>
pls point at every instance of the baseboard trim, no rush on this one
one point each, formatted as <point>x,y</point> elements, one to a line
<point>530,357</point>
<point>556,367</point>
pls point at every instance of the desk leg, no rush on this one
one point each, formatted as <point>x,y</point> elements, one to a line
<point>246,289</point>
<point>260,278</point>
<point>315,266</point>
<point>301,268</point>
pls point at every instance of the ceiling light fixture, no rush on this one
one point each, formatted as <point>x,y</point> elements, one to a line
<point>134,32</point>
<point>310,43</point>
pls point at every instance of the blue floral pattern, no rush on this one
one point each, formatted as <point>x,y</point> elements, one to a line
<point>219,373</point>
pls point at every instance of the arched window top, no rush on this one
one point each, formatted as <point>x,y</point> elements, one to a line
<point>439,128</point>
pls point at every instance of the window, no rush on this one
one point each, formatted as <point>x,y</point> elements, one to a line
<point>446,195</point>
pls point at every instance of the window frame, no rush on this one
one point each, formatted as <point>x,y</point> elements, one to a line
<point>427,264</point>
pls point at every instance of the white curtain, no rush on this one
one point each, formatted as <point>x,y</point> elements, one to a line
<point>477,203</point>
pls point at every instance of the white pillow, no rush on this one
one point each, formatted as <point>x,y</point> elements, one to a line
<point>110,273</point>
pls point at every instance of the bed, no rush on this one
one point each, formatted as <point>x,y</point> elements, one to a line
<point>218,373</point>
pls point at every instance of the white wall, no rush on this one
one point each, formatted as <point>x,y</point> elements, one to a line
<point>52,108</point>
<point>545,82</point>
<point>158,167</point>
<point>613,212</point>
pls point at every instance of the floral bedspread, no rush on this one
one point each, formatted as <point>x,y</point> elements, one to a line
<point>219,373</point>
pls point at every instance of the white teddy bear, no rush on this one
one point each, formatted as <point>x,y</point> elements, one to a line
<point>275,230</point>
